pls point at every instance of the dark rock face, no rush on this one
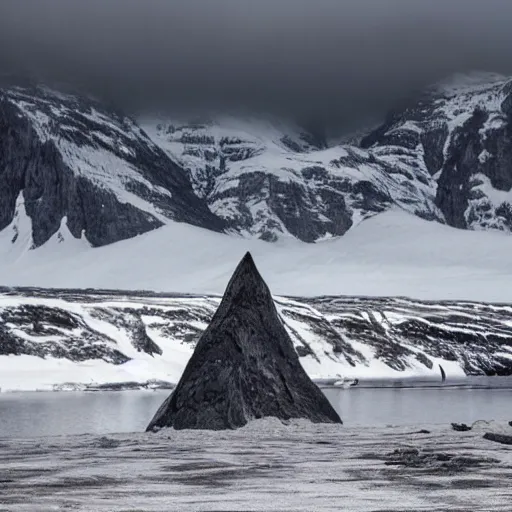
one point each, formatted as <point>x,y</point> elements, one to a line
<point>461,427</point>
<point>244,367</point>
<point>463,136</point>
<point>454,184</point>
<point>498,438</point>
<point>52,332</point>
<point>72,158</point>
<point>295,206</point>
<point>271,183</point>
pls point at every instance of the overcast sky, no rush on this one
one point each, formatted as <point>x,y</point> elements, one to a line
<point>346,57</point>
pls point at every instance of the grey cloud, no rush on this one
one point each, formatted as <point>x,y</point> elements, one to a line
<point>345,58</point>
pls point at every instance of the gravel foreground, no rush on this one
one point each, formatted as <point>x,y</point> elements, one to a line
<point>265,466</point>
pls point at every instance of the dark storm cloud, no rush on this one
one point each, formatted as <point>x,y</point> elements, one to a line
<point>346,57</point>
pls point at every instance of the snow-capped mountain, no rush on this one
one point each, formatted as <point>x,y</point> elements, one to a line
<point>444,157</point>
<point>271,180</point>
<point>74,339</point>
<point>80,181</point>
<point>72,168</point>
<point>460,131</point>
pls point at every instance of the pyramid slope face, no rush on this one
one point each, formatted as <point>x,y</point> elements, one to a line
<point>244,367</point>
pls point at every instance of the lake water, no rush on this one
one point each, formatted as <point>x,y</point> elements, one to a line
<point>43,414</point>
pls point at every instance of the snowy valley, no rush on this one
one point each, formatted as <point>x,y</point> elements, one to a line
<point>93,199</point>
<point>82,166</point>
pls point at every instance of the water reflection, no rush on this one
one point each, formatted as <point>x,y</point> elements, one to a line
<point>416,406</point>
<point>43,414</point>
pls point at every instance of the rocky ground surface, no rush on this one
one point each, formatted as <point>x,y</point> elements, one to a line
<point>265,466</point>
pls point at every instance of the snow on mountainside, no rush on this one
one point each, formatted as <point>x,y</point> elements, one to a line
<point>445,157</point>
<point>65,338</point>
<point>460,130</point>
<point>72,165</point>
<point>272,180</point>
<point>78,169</point>
<point>76,339</point>
<point>89,199</point>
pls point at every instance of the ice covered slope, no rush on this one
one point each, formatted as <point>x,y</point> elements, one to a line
<point>443,156</point>
<point>74,339</point>
<point>270,179</point>
<point>74,167</point>
<point>392,254</point>
<point>460,130</point>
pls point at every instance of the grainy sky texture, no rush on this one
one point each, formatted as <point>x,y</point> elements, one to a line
<point>344,58</point>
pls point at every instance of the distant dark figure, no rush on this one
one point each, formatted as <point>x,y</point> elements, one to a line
<point>461,427</point>
<point>243,367</point>
<point>355,383</point>
<point>510,423</point>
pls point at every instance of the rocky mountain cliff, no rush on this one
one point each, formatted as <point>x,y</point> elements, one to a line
<point>445,156</point>
<point>461,132</point>
<point>269,179</point>
<point>72,167</point>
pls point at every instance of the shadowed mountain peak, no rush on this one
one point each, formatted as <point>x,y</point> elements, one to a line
<point>244,367</point>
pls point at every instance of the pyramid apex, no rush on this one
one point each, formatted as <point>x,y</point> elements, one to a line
<point>248,258</point>
<point>247,278</point>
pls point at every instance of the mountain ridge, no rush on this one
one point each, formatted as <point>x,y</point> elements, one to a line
<point>72,158</point>
<point>461,129</point>
<point>79,169</point>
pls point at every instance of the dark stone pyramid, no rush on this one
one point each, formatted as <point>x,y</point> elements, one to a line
<point>244,367</point>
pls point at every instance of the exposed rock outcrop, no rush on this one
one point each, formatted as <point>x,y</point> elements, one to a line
<point>498,438</point>
<point>461,427</point>
<point>244,367</point>
<point>459,130</point>
<point>327,332</point>
<point>74,161</point>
